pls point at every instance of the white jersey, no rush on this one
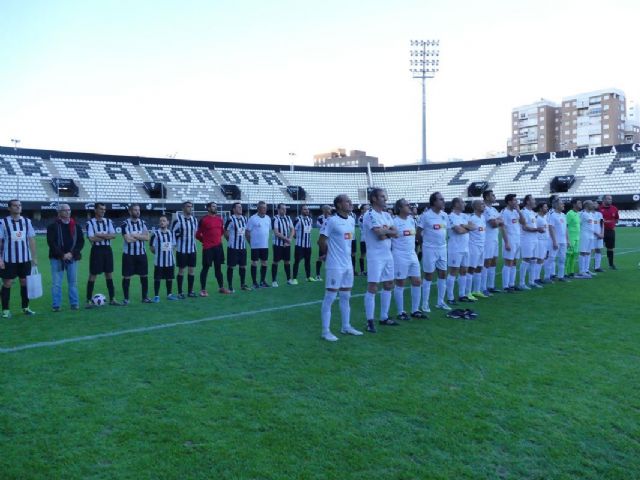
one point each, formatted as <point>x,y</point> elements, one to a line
<point>340,232</point>
<point>477,236</point>
<point>542,222</point>
<point>597,219</point>
<point>434,229</point>
<point>491,213</point>
<point>558,220</point>
<point>405,244</point>
<point>587,221</point>
<point>530,221</point>
<point>375,246</point>
<point>511,219</point>
<point>259,228</point>
<point>458,242</point>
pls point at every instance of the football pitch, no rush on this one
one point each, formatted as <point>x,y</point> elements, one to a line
<point>544,384</point>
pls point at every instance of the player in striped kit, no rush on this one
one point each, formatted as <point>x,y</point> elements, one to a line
<point>134,255</point>
<point>326,214</point>
<point>234,231</point>
<point>494,223</point>
<point>302,227</point>
<point>405,261</point>
<point>18,247</point>
<point>335,248</point>
<point>184,229</point>
<point>558,248</point>
<point>162,244</point>
<point>378,230</point>
<point>363,245</point>
<point>282,235</point>
<point>510,215</point>
<point>100,232</point>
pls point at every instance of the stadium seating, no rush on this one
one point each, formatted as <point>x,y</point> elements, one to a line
<point>27,174</point>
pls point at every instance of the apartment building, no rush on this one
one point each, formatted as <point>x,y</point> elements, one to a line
<point>534,128</point>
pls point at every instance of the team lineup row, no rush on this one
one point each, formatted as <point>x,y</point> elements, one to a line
<point>472,244</point>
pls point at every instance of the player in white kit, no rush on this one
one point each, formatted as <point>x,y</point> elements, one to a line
<point>542,249</point>
<point>528,242</point>
<point>599,241</point>
<point>335,239</point>
<point>510,241</point>
<point>587,239</point>
<point>432,229</point>
<point>476,247</point>
<point>378,230</point>
<point>494,223</point>
<point>458,228</point>
<point>558,242</point>
<point>405,260</point>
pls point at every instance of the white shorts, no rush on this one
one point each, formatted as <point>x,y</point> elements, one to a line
<point>512,254</point>
<point>476,255</point>
<point>339,278</point>
<point>599,243</point>
<point>434,258</point>
<point>406,267</point>
<point>552,253</point>
<point>490,248</point>
<point>587,243</point>
<point>528,248</point>
<point>458,259</point>
<point>379,269</point>
<point>542,248</point>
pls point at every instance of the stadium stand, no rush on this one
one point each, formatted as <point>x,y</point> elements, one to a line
<point>27,174</point>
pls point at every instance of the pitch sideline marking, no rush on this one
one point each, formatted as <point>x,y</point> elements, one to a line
<point>162,326</point>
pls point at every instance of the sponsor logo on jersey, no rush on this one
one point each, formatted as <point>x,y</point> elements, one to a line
<point>481,229</point>
<point>347,236</point>
<point>437,226</point>
<point>407,233</point>
<point>514,220</point>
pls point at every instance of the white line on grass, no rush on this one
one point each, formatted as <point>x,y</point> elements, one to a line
<point>117,333</point>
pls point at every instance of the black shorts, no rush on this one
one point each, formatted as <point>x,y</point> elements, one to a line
<point>302,253</point>
<point>354,247</point>
<point>610,239</point>
<point>259,254</point>
<point>363,248</point>
<point>281,253</point>
<point>101,260</point>
<point>184,260</point>
<point>163,273</point>
<point>134,265</point>
<point>236,256</point>
<point>213,255</point>
<point>13,270</point>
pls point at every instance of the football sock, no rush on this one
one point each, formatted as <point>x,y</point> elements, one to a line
<point>345,308</point>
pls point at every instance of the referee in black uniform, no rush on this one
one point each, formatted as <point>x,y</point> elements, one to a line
<point>18,254</point>
<point>184,228</point>
<point>134,255</point>
<point>302,227</point>
<point>234,231</point>
<point>100,232</point>
<point>282,227</point>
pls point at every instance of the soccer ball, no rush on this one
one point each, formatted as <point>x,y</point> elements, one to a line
<point>98,299</point>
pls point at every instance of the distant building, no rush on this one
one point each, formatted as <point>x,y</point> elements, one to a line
<point>591,119</point>
<point>339,158</point>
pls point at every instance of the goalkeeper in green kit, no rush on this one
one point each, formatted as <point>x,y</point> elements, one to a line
<point>573,229</point>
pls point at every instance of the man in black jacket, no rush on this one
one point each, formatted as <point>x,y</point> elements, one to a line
<point>65,241</point>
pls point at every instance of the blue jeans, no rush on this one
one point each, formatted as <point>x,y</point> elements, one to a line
<point>57,276</point>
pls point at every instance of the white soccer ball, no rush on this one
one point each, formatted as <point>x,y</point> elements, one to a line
<point>99,299</point>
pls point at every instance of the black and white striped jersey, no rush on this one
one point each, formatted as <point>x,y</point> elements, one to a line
<point>131,226</point>
<point>303,231</point>
<point>236,227</point>
<point>95,226</point>
<point>184,229</point>
<point>163,242</point>
<point>15,235</point>
<point>282,225</point>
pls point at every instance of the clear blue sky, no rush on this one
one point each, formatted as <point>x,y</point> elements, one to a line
<point>252,81</point>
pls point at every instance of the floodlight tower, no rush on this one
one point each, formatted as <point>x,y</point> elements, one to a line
<point>15,142</point>
<point>425,63</point>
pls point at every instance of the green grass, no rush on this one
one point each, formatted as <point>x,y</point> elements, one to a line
<point>542,385</point>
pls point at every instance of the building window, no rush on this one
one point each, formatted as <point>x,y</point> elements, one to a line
<point>606,136</point>
<point>606,97</point>
<point>541,127</point>
<point>605,126</point>
<point>606,107</point>
<point>567,132</point>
